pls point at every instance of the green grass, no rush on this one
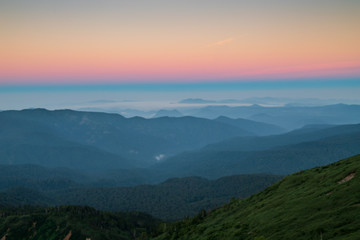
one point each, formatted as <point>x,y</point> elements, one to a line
<point>305,205</point>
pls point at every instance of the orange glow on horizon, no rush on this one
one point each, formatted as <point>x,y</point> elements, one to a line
<point>179,41</point>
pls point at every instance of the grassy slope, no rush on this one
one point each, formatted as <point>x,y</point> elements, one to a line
<point>306,205</point>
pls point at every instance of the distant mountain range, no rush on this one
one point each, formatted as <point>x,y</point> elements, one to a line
<point>286,117</point>
<point>102,139</point>
<point>289,117</point>
<point>98,141</point>
<point>280,154</point>
<point>196,101</point>
<point>309,102</point>
<point>259,128</point>
<point>115,163</point>
<point>168,113</point>
<point>129,151</point>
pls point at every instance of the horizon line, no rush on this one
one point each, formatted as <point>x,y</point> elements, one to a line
<point>323,83</point>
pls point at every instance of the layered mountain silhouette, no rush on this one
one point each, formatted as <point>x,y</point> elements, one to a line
<point>280,154</point>
<point>101,139</point>
<point>288,117</point>
<point>129,151</point>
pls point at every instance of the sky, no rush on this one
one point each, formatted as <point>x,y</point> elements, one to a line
<point>235,47</point>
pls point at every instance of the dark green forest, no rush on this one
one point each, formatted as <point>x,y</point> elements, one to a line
<point>173,199</point>
<point>73,222</point>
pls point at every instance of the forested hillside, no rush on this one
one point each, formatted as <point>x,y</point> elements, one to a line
<point>320,203</point>
<point>73,222</point>
<point>172,199</point>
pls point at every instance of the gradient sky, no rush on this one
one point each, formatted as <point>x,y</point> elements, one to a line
<point>177,41</point>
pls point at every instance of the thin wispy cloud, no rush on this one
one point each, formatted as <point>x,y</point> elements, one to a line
<point>221,43</point>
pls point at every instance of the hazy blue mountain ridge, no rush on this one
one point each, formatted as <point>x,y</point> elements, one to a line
<point>278,160</point>
<point>141,141</point>
<point>259,128</point>
<point>289,118</point>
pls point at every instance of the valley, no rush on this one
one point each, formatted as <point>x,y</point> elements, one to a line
<point>183,169</point>
<point>179,120</point>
